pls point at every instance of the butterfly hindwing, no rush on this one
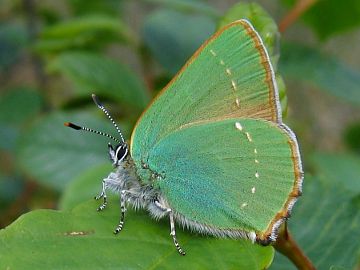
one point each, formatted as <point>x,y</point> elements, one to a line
<point>235,175</point>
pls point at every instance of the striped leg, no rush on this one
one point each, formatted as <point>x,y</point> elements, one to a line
<point>102,195</point>
<point>123,210</point>
<point>173,234</point>
<point>172,226</point>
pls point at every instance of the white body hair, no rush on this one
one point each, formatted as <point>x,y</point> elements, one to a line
<point>125,182</point>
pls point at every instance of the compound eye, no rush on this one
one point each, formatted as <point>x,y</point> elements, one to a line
<point>121,152</point>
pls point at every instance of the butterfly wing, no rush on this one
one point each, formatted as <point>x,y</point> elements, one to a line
<point>214,139</point>
<point>233,176</point>
<point>229,76</point>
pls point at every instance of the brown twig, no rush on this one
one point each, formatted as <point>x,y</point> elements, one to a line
<point>287,246</point>
<point>300,7</point>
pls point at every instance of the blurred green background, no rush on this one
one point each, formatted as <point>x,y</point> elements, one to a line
<point>54,54</point>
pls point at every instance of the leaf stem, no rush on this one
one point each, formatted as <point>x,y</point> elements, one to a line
<point>287,246</point>
<point>300,7</point>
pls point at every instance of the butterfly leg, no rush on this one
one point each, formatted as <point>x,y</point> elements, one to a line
<point>102,195</point>
<point>123,210</point>
<point>173,234</point>
<point>172,227</point>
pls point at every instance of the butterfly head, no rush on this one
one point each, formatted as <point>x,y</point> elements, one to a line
<point>118,153</point>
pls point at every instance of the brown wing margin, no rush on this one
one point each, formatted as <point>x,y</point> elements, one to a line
<point>270,75</point>
<point>271,232</point>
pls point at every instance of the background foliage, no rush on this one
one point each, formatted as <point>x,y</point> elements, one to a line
<point>54,54</point>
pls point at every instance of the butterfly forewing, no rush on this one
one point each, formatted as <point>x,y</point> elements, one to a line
<point>229,76</point>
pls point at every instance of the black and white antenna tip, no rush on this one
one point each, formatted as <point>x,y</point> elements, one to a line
<point>71,125</point>
<point>68,124</point>
<point>97,101</point>
<point>101,107</point>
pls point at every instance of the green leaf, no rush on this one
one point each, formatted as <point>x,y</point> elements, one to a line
<point>341,168</point>
<point>54,155</point>
<point>173,37</point>
<point>8,136</point>
<point>85,186</point>
<point>10,187</point>
<point>323,71</point>
<point>326,224</point>
<point>187,6</point>
<point>84,32</point>
<point>340,16</point>
<point>19,104</point>
<point>17,107</point>
<point>93,73</point>
<point>112,7</point>
<point>351,137</point>
<point>282,94</point>
<point>262,22</point>
<point>337,268</point>
<point>13,38</point>
<point>83,239</point>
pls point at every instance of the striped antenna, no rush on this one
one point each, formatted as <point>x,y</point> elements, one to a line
<point>71,125</point>
<point>101,107</point>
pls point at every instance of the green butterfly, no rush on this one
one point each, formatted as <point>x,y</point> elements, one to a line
<point>211,151</point>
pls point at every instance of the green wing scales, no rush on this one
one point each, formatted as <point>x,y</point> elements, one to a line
<point>229,76</point>
<point>215,138</point>
<point>235,175</point>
